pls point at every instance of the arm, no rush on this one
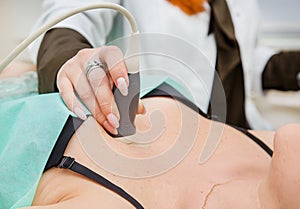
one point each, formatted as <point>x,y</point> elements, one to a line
<point>281,186</point>
<point>16,69</point>
<point>63,57</point>
<point>281,71</point>
<point>94,25</point>
<point>87,29</point>
<point>58,46</point>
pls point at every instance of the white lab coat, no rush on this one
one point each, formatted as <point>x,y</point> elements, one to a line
<point>159,16</point>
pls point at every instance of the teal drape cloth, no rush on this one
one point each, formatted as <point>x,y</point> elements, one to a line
<point>29,128</point>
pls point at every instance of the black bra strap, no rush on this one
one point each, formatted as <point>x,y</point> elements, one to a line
<point>71,125</point>
<point>70,163</point>
<point>255,139</point>
<point>168,91</point>
<point>165,90</point>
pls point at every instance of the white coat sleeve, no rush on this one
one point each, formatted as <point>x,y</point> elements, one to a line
<point>260,57</point>
<point>94,25</point>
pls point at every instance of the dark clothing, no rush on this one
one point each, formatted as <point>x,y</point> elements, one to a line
<point>281,71</point>
<point>58,46</point>
<point>228,66</point>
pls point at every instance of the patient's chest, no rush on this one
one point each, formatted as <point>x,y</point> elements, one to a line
<point>230,178</point>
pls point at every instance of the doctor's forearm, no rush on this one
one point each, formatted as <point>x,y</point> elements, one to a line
<point>58,46</point>
<point>281,71</point>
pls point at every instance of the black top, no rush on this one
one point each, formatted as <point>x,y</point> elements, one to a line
<point>57,159</point>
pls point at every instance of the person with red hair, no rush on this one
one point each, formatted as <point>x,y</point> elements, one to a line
<point>225,31</point>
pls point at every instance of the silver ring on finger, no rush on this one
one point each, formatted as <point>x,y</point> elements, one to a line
<point>92,65</point>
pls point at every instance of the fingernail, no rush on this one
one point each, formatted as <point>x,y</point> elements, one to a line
<point>112,119</point>
<point>122,86</point>
<point>113,131</point>
<point>144,108</point>
<point>79,112</point>
<point>141,108</point>
<point>115,111</point>
<point>144,111</point>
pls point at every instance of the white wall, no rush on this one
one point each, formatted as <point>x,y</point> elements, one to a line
<point>281,16</point>
<point>16,20</point>
<point>280,23</point>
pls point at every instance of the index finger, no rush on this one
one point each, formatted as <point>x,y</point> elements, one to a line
<point>114,60</point>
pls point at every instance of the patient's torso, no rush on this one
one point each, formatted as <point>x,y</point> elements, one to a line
<point>229,179</point>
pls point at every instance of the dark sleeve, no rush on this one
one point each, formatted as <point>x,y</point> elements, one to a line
<point>281,71</point>
<point>58,46</point>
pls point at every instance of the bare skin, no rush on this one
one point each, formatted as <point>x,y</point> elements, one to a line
<point>17,68</point>
<point>236,175</point>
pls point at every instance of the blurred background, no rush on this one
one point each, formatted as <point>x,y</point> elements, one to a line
<point>280,29</point>
<point>16,20</point>
<point>280,23</point>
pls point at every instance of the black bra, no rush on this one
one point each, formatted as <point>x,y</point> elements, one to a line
<point>57,158</point>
